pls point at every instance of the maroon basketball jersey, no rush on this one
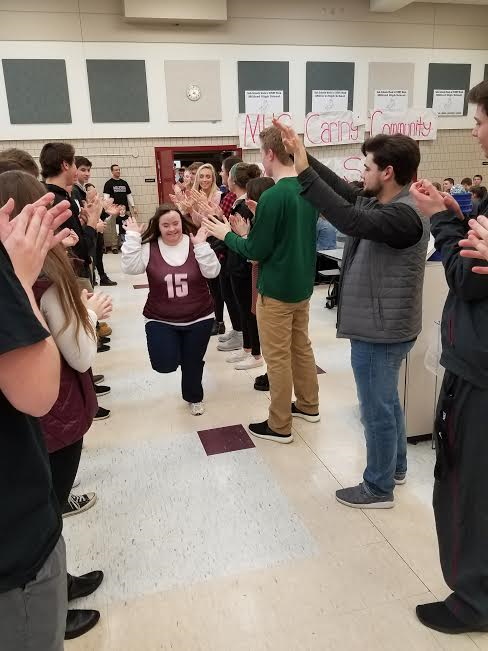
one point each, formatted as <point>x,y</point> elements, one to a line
<point>176,294</point>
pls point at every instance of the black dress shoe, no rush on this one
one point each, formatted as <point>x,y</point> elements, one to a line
<point>82,586</point>
<point>262,383</point>
<point>79,622</point>
<point>103,348</point>
<point>438,617</point>
<point>106,282</point>
<point>104,340</point>
<point>98,378</point>
<point>263,431</point>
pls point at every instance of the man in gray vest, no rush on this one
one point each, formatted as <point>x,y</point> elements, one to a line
<point>380,305</point>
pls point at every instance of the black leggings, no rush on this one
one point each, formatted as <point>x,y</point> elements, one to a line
<point>242,288</point>
<point>64,466</point>
<point>99,255</point>
<point>230,300</point>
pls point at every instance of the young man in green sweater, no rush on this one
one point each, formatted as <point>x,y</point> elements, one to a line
<point>283,242</point>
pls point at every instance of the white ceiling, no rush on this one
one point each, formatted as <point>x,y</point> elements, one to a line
<point>394,5</point>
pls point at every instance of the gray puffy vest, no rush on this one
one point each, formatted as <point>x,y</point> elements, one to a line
<point>381,287</point>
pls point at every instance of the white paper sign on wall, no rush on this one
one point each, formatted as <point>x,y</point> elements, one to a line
<point>349,168</point>
<point>448,102</point>
<point>264,101</point>
<point>336,128</point>
<point>391,100</point>
<point>419,124</point>
<point>251,125</point>
<point>324,101</point>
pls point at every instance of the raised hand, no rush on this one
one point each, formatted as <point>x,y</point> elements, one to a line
<point>200,236</point>
<point>293,145</point>
<point>92,211</point>
<point>428,199</point>
<point>133,227</point>
<point>239,225</point>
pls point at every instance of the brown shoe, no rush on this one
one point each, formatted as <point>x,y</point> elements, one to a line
<point>104,330</point>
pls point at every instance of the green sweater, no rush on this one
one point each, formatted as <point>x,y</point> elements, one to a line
<point>283,242</point>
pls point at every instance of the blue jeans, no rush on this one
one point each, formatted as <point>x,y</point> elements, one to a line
<point>376,370</point>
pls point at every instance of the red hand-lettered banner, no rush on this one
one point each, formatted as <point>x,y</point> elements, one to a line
<point>419,124</point>
<point>335,128</point>
<point>251,125</point>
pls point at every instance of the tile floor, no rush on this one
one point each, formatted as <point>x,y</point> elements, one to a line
<point>213,542</point>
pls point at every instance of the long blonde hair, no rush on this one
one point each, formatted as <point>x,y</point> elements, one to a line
<point>214,187</point>
<point>24,189</point>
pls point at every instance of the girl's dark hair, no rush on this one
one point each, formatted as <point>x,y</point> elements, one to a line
<point>256,187</point>
<point>242,173</point>
<point>152,233</point>
<point>24,189</point>
<point>229,162</point>
<point>479,191</point>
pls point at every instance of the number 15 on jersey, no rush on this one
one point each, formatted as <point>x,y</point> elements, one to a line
<point>177,285</point>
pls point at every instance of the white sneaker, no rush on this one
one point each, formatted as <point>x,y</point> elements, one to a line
<point>197,408</point>
<point>227,336</point>
<point>233,343</point>
<point>237,356</point>
<point>249,362</point>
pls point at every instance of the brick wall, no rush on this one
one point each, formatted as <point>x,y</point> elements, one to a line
<point>455,153</point>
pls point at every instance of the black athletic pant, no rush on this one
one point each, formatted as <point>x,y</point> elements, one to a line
<point>99,255</point>
<point>64,466</point>
<point>230,301</point>
<point>461,497</point>
<point>242,288</point>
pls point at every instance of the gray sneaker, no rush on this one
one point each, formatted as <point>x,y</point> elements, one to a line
<point>358,497</point>
<point>400,478</point>
<point>227,336</point>
<point>233,343</point>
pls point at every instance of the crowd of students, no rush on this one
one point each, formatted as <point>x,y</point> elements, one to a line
<point>251,246</point>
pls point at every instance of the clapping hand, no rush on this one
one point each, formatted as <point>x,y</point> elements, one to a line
<point>30,235</point>
<point>217,228</point>
<point>100,303</point>
<point>430,201</point>
<point>200,236</point>
<point>239,225</point>
<point>252,205</point>
<point>71,240</point>
<point>476,244</point>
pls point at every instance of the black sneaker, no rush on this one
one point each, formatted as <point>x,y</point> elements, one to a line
<point>400,478</point>
<point>100,390</point>
<point>102,414</point>
<point>115,250</point>
<point>262,431</point>
<point>298,413</point>
<point>104,340</point>
<point>106,282</point>
<point>261,383</point>
<point>79,503</point>
<point>98,378</point>
<point>103,348</point>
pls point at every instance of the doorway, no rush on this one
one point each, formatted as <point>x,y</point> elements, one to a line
<point>167,156</point>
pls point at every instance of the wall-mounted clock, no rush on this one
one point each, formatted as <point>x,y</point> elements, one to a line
<point>193,92</point>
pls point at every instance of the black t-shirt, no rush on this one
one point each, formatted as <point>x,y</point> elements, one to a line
<point>30,519</point>
<point>118,189</point>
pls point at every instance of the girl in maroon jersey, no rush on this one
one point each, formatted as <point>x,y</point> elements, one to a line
<point>179,309</point>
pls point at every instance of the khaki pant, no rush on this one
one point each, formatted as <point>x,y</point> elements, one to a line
<point>283,330</point>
